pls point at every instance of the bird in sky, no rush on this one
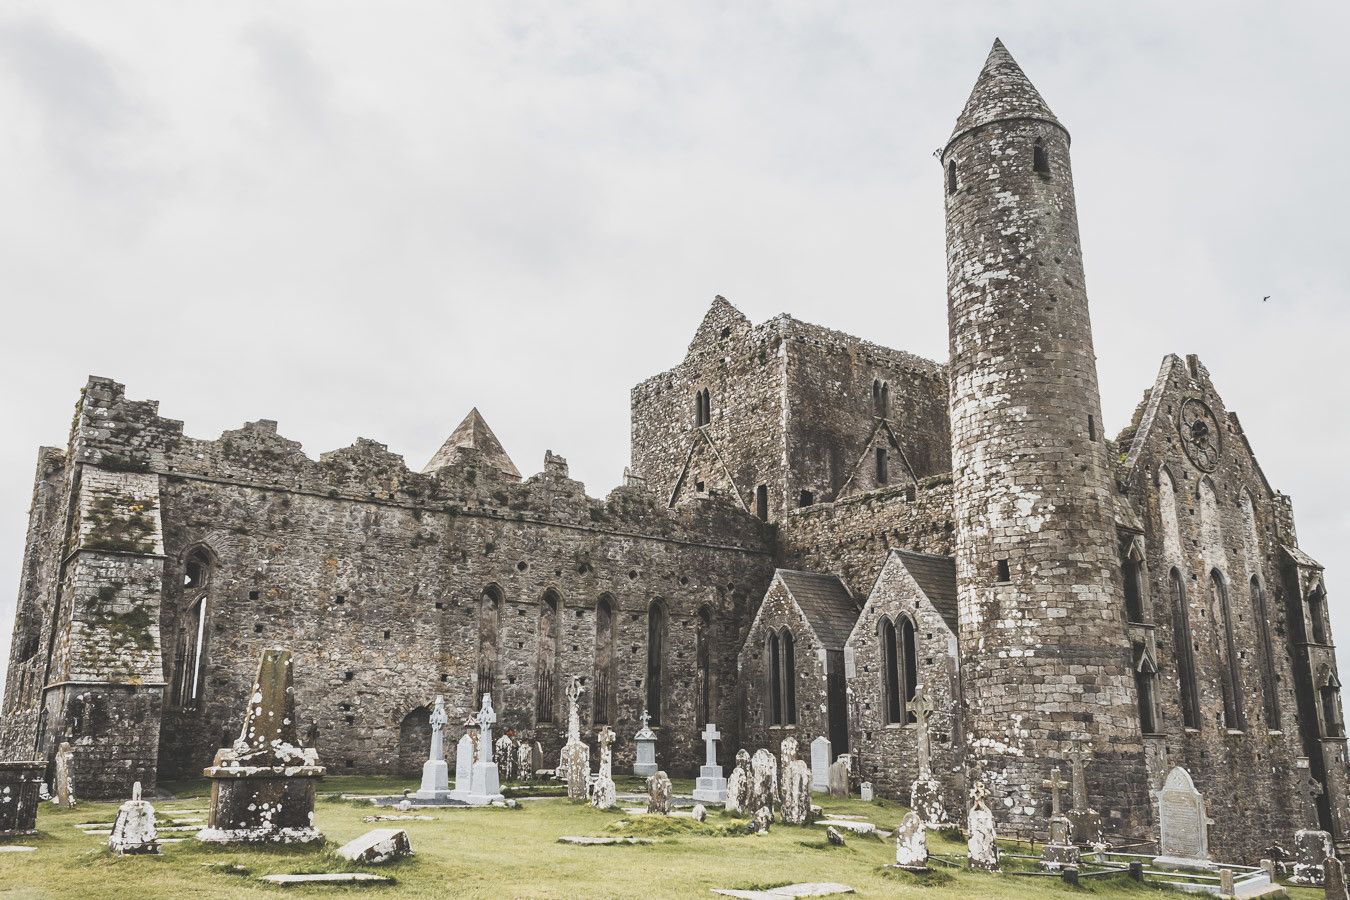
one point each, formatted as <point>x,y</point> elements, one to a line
<point>1265,298</point>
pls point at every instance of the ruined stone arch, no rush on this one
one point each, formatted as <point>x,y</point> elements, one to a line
<point>603,681</point>
<point>414,741</point>
<point>547,652</point>
<point>199,564</point>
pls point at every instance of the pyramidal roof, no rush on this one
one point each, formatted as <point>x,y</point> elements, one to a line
<point>1002,91</point>
<point>475,434</point>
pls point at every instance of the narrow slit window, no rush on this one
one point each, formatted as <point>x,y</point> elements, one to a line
<point>951,177</point>
<point>1003,572</point>
<point>1040,158</point>
<point>883,467</point>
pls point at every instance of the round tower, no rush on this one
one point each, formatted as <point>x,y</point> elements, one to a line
<point>1045,660</point>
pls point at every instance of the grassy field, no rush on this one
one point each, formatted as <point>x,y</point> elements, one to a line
<point>499,853</point>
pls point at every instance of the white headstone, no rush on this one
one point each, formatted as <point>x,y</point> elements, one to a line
<point>711,787</point>
<point>911,843</point>
<point>820,764</point>
<point>463,767</point>
<point>865,792</point>
<point>1183,825</point>
<point>435,772</point>
<point>645,741</point>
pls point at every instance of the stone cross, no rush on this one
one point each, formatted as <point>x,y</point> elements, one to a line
<point>573,714</point>
<point>606,740</point>
<point>486,718</point>
<point>922,707</point>
<point>1055,784</point>
<point>1078,758</point>
<point>438,721</point>
<point>978,794</point>
<point>711,736</point>
<point>645,718</point>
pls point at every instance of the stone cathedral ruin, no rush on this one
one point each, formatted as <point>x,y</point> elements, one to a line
<point>813,526</point>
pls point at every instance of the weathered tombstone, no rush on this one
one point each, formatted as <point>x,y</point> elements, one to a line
<point>604,795</point>
<point>65,790</point>
<point>378,846</point>
<point>982,848</point>
<point>797,794</point>
<point>839,775</point>
<point>760,821</point>
<point>659,791</point>
<point>1182,823</point>
<point>435,772</point>
<point>738,785</point>
<point>925,793</point>
<point>820,764</point>
<point>262,788</point>
<point>485,786</point>
<point>1226,883</point>
<point>711,787</point>
<point>574,765</point>
<point>1084,821</point>
<point>787,752</point>
<point>524,761</point>
<point>536,756</point>
<point>464,751</point>
<point>20,781</point>
<point>911,844</point>
<point>1059,850</point>
<point>644,763</point>
<point>763,783</point>
<point>700,813</point>
<point>505,758</point>
<point>1311,849</point>
<point>833,836</point>
<point>134,830</point>
<point>1333,881</point>
<point>865,792</point>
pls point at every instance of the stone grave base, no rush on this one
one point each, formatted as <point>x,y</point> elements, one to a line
<point>1181,862</point>
<point>415,802</point>
<point>262,805</point>
<point>19,783</point>
<point>1056,856</point>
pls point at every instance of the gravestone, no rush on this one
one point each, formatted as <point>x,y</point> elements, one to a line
<point>463,767</point>
<point>505,758</point>
<point>711,787</point>
<point>865,792</point>
<point>574,764</point>
<point>485,785</point>
<point>760,821</point>
<point>644,764</point>
<point>911,844</point>
<point>378,846</point>
<point>797,794</point>
<point>1311,849</point>
<point>604,796</point>
<point>820,764</point>
<point>1059,850</point>
<point>738,785</point>
<point>262,787</point>
<point>1084,821</point>
<point>524,761</point>
<point>839,775</point>
<point>134,830</point>
<point>435,772</point>
<point>925,792</point>
<point>536,756</point>
<point>65,790</point>
<point>982,847</point>
<point>763,783</point>
<point>659,791</point>
<point>20,781</point>
<point>787,752</point>
<point>1183,825</point>
<point>700,813</point>
<point>1333,881</point>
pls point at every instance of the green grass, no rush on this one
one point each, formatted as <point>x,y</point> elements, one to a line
<point>510,853</point>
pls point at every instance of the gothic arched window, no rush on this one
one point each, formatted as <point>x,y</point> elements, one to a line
<point>899,674</point>
<point>1184,650</point>
<point>883,467</point>
<point>1145,677</point>
<point>703,644</point>
<point>546,656</point>
<point>1329,699</point>
<point>656,652</point>
<point>1317,613</point>
<point>1229,672</point>
<point>602,701</point>
<point>1269,693</point>
<point>1134,586</point>
<point>773,651</point>
<point>190,645</point>
<point>489,627</point>
<point>1040,159</point>
<point>789,676</point>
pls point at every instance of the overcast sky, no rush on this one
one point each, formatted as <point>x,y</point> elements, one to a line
<point>363,219</point>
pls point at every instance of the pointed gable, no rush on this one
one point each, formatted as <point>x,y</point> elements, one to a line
<point>936,577</point>
<point>721,321</point>
<point>1002,91</point>
<point>829,608</point>
<point>474,434</point>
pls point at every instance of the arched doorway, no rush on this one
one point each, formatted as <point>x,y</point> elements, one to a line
<point>414,742</point>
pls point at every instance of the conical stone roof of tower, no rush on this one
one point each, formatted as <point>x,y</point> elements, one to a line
<point>1002,92</point>
<point>474,434</point>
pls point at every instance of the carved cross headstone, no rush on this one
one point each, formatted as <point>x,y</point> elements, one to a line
<point>979,793</point>
<point>438,720</point>
<point>486,718</point>
<point>606,741</point>
<point>1078,758</point>
<point>1055,784</point>
<point>646,718</point>
<point>922,707</point>
<point>573,712</point>
<point>710,738</point>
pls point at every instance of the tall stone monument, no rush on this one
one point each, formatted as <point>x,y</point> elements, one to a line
<point>1311,849</point>
<point>574,764</point>
<point>1059,850</point>
<point>738,785</point>
<point>435,772</point>
<point>1183,825</point>
<point>463,767</point>
<point>787,752</point>
<point>1085,823</point>
<point>644,763</point>
<point>925,794</point>
<point>65,788</point>
<point>711,787</point>
<point>262,787</point>
<point>485,787</point>
<point>604,796</point>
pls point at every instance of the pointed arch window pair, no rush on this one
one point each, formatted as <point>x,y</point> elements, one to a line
<point>702,408</point>
<point>899,669</point>
<point>881,399</point>
<point>782,653</point>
